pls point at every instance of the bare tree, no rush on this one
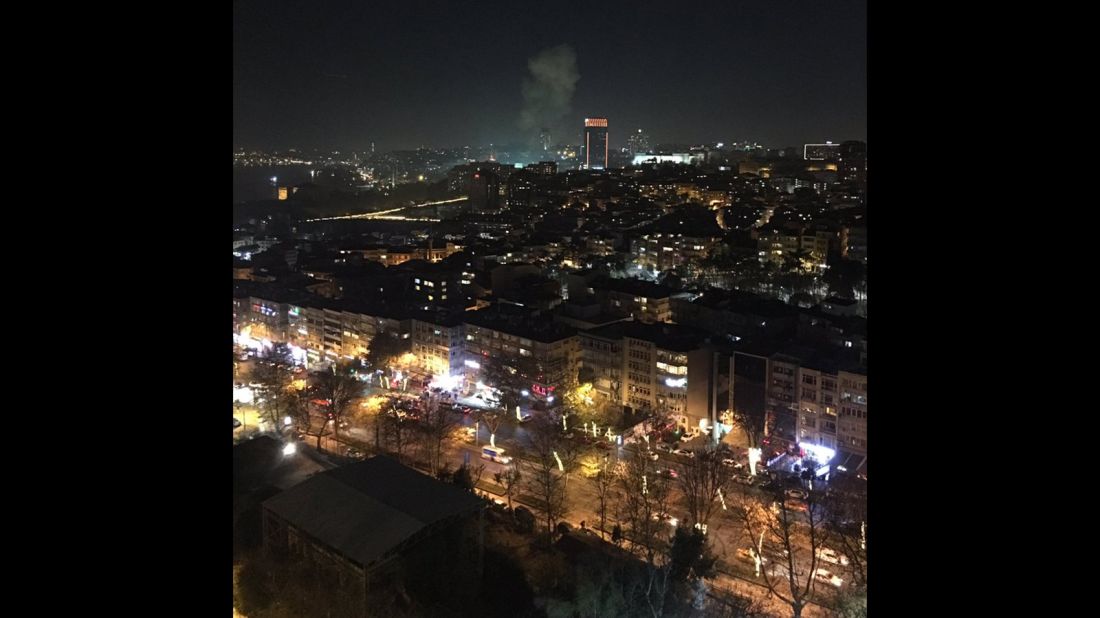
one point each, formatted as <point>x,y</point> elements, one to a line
<point>386,346</point>
<point>298,408</point>
<point>606,495</point>
<point>492,420</point>
<point>436,427</point>
<point>467,476</point>
<point>798,533</point>
<point>545,479</point>
<point>754,424</point>
<point>704,484</point>
<point>846,506</point>
<point>645,494</point>
<point>339,387</point>
<point>476,472</point>
<point>273,373</point>
<point>510,378</point>
<point>395,423</point>
<point>509,479</point>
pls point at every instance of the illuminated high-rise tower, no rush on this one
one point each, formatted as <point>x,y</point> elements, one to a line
<point>638,142</point>
<point>544,139</point>
<point>594,144</point>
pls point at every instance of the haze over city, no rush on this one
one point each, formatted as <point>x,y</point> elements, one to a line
<point>346,74</point>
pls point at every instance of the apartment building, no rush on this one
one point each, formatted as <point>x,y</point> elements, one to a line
<point>663,251</point>
<point>502,333</point>
<point>438,344</point>
<point>812,395</point>
<point>651,367</point>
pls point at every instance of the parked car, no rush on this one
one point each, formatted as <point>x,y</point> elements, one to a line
<point>661,446</point>
<point>236,423</point>
<point>672,521</point>
<point>796,494</point>
<point>822,575</point>
<point>653,455</point>
<point>355,453</point>
<point>684,452</point>
<point>795,505</point>
<point>832,556</point>
<point>526,418</point>
<point>732,463</point>
<point>669,472</point>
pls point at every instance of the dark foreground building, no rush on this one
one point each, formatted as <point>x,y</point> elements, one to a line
<point>378,525</point>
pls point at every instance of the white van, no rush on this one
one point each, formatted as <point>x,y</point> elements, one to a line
<point>831,555</point>
<point>495,454</point>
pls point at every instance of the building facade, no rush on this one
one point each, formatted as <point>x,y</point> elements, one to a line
<point>652,368</point>
<point>594,147</point>
<point>659,251</point>
<point>438,345</point>
<point>549,346</point>
<point>821,152</point>
<point>810,401</point>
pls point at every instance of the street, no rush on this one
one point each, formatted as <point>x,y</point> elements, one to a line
<point>726,534</point>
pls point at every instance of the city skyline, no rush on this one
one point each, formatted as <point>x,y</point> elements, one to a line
<point>346,76</point>
<point>551,309</point>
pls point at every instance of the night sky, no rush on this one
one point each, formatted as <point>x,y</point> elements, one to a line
<point>339,74</point>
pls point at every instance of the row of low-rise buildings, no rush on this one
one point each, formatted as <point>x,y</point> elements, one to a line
<point>392,256</point>
<point>815,393</point>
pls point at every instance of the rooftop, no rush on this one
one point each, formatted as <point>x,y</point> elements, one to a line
<point>672,337</point>
<point>515,321</point>
<point>366,510</point>
<point>637,287</point>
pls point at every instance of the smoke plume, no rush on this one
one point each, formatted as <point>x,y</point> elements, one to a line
<point>548,91</point>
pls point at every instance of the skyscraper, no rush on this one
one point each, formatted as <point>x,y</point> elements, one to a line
<point>638,142</point>
<point>544,139</point>
<point>821,152</point>
<point>594,145</point>
<point>853,162</point>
